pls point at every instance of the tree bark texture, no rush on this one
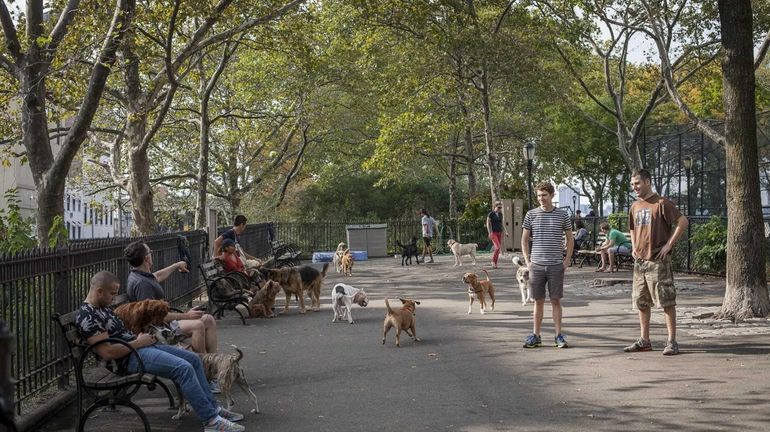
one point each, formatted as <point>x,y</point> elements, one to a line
<point>746,294</point>
<point>492,165</point>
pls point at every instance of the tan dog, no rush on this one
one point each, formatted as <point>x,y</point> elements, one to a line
<point>461,249</point>
<point>522,277</point>
<point>226,368</point>
<point>402,319</point>
<point>479,289</point>
<point>139,316</point>
<point>346,263</point>
<point>261,305</point>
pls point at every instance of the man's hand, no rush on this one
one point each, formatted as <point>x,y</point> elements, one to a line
<point>664,252</point>
<point>144,339</point>
<point>566,263</point>
<point>193,314</point>
<point>181,266</point>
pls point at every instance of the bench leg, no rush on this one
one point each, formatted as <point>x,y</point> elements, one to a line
<point>171,401</point>
<point>84,417</point>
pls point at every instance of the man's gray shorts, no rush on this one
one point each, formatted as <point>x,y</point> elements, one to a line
<point>540,275</point>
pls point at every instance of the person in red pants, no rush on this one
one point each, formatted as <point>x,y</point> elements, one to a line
<point>496,228</point>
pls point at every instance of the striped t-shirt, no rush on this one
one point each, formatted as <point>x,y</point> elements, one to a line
<point>547,232</point>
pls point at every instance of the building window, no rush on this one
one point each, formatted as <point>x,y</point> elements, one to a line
<point>68,202</point>
<point>79,234</point>
<point>85,213</point>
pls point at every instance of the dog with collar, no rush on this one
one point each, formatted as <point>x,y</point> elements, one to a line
<point>338,256</point>
<point>343,296</point>
<point>402,319</point>
<point>479,289</point>
<point>461,249</point>
<point>522,277</point>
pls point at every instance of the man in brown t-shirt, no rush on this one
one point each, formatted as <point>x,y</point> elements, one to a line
<point>650,220</point>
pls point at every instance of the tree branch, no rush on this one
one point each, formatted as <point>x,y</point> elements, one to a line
<point>762,51</point>
<point>62,26</point>
<point>9,29</point>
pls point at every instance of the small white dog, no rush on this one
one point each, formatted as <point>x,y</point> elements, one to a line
<point>343,297</point>
<point>338,256</point>
<point>522,277</point>
<point>460,249</point>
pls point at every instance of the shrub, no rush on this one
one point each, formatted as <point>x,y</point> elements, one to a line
<point>711,251</point>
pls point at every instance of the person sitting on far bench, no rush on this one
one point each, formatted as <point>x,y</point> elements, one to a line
<point>615,243</point>
<point>96,321</point>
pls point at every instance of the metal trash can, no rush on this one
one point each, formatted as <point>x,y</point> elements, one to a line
<point>371,238</point>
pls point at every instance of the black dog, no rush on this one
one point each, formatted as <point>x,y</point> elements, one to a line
<point>408,250</point>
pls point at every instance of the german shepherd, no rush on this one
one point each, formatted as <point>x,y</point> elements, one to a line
<point>298,281</point>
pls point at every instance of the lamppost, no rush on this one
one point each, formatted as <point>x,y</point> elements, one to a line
<point>687,162</point>
<point>529,155</point>
<point>574,203</point>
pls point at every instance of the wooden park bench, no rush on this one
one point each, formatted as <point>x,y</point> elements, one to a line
<point>586,255</point>
<point>105,381</point>
<point>225,290</point>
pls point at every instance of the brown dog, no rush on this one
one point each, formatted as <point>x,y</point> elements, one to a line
<point>261,305</point>
<point>479,289</point>
<point>402,319</point>
<point>346,263</point>
<point>139,316</point>
<point>298,281</point>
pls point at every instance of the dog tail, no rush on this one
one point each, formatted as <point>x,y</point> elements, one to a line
<point>517,260</point>
<point>323,273</point>
<point>240,353</point>
<point>398,243</point>
<point>387,305</point>
<point>487,273</point>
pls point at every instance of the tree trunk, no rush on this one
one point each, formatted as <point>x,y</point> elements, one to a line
<point>453,178</point>
<point>746,294</point>
<point>140,191</point>
<point>470,154</point>
<point>494,182</point>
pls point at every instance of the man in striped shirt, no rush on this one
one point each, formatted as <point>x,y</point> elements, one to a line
<point>546,227</point>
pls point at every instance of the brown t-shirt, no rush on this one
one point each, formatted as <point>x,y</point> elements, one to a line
<point>650,223</point>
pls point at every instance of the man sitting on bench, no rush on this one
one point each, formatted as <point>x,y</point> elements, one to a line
<point>143,284</point>
<point>615,243</point>
<point>97,321</point>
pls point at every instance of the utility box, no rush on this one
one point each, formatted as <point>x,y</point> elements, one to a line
<point>513,216</point>
<point>371,238</point>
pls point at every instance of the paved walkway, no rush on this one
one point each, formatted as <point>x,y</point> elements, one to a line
<point>470,372</point>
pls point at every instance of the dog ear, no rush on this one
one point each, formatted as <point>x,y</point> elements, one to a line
<point>402,300</point>
<point>416,302</point>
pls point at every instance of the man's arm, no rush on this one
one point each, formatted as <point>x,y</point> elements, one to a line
<point>218,245</point>
<point>191,314</point>
<point>681,227</point>
<point>570,246</point>
<point>525,245</point>
<point>163,274</point>
<point>110,351</point>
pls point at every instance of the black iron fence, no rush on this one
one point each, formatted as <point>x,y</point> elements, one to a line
<point>37,283</point>
<point>326,235</point>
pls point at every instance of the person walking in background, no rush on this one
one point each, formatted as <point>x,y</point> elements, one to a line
<point>545,226</point>
<point>650,220</point>
<point>495,228</point>
<point>428,224</point>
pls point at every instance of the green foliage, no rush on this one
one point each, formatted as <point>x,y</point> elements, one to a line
<point>711,246</point>
<point>476,209</point>
<point>619,221</point>
<point>57,234</point>
<point>15,230</point>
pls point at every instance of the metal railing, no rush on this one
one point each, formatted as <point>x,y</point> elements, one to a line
<point>37,283</point>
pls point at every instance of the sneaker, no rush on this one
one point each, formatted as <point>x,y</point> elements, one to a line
<point>639,345</point>
<point>560,342</point>
<point>672,348</point>
<point>431,260</point>
<point>223,425</point>
<point>229,415</point>
<point>533,341</point>
<point>214,386</point>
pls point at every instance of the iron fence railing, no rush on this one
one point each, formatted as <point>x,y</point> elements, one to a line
<point>37,283</point>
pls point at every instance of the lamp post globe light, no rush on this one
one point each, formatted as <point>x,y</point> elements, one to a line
<point>529,156</point>
<point>687,162</point>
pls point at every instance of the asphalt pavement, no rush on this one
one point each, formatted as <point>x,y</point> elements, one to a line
<point>470,372</point>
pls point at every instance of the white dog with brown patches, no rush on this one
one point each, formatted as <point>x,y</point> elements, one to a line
<point>522,277</point>
<point>343,297</point>
<point>460,249</point>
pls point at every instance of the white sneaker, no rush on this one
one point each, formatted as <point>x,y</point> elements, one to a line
<point>223,425</point>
